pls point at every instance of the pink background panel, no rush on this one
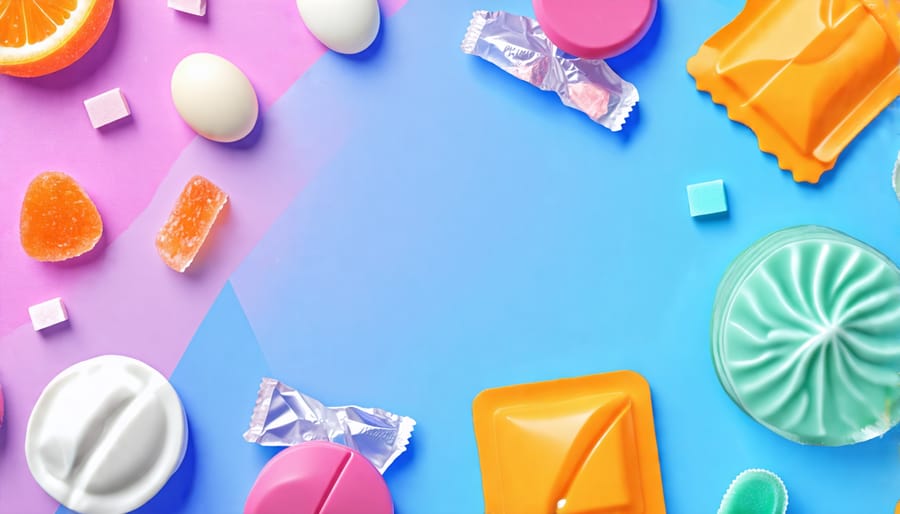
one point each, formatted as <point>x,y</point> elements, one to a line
<point>44,125</point>
<point>121,298</point>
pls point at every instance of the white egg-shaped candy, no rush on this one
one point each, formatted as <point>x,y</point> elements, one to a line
<point>214,97</point>
<point>106,435</point>
<point>345,26</point>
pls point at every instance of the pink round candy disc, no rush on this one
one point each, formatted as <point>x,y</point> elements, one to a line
<point>319,478</point>
<point>595,29</point>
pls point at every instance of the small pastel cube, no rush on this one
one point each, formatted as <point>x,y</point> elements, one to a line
<point>707,198</point>
<point>46,314</point>
<point>195,7</point>
<point>107,107</point>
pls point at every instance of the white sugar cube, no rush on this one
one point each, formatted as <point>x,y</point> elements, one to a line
<point>195,7</point>
<point>46,314</point>
<point>107,107</point>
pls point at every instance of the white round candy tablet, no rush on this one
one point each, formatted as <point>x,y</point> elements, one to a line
<point>214,97</point>
<point>105,435</point>
<point>345,26</point>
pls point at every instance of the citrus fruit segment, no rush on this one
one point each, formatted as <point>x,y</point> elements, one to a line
<point>38,37</point>
<point>58,220</point>
<point>195,212</point>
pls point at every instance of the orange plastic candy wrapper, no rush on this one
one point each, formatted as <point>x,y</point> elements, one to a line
<point>58,220</point>
<point>189,224</point>
<point>805,75</point>
<point>569,446</point>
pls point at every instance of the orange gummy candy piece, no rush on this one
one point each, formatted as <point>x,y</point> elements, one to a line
<point>189,224</point>
<point>58,220</point>
<point>805,75</point>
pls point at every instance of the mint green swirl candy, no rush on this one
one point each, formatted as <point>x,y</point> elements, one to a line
<point>806,336</point>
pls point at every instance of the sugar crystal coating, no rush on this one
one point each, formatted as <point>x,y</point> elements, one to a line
<point>188,226</point>
<point>755,491</point>
<point>58,220</point>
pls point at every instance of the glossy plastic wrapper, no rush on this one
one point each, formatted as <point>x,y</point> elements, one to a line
<point>805,75</point>
<point>284,416</point>
<point>518,45</point>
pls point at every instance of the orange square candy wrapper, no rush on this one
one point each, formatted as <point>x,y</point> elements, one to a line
<point>195,212</point>
<point>805,75</point>
<point>569,446</point>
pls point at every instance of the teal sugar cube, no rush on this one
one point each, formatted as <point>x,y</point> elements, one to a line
<point>707,198</point>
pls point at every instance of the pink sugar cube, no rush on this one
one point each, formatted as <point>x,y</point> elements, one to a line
<point>107,107</point>
<point>46,314</point>
<point>195,7</point>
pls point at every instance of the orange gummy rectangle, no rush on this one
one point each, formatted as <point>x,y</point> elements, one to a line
<point>189,224</point>
<point>805,75</point>
<point>569,446</point>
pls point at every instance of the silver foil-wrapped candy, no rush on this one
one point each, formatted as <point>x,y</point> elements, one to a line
<point>284,416</point>
<point>517,45</point>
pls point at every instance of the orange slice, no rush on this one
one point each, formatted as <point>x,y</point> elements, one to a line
<point>38,37</point>
<point>58,220</point>
<point>195,212</point>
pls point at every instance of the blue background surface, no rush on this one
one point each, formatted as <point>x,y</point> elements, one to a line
<point>474,233</point>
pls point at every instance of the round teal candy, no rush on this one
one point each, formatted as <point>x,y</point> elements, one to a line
<point>806,336</point>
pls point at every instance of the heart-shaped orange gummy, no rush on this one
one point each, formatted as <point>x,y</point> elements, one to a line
<point>58,220</point>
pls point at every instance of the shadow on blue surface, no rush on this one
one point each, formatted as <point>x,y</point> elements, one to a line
<point>477,233</point>
<point>174,495</point>
<point>638,55</point>
<point>370,54</point>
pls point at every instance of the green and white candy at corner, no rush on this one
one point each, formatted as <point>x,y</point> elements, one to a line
<point>806,336</point>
